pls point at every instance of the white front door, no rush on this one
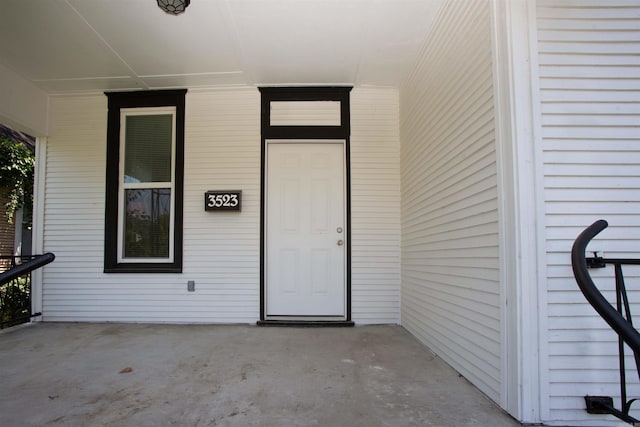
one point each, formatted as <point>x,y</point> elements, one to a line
<point>305,229</point>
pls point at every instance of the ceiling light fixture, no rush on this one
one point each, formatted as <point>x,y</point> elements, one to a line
<point>173,7</point>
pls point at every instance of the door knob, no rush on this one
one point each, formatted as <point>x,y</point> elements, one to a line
<point>340,242</point>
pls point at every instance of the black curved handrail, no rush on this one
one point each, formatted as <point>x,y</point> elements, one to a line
<point>579,263</point>
<point>16,272</point>
<point>614,317</point>
<point>26,268</point>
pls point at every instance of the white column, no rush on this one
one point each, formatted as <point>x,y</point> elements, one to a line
<point>519,151</point>
<point>37,242</point>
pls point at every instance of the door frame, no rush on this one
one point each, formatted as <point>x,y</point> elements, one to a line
<point>311,132</point>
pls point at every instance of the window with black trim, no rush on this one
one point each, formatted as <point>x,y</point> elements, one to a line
<point>144,182</point>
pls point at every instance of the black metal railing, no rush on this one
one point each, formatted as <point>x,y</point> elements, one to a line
<point>619,318</point>
<point>15,287</point>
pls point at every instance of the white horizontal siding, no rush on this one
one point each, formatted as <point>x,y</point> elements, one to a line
<point>450,263</point>
<point>375,206</point>
<point>221,251</point>
<point>589,55</point>
<point>74,203</point>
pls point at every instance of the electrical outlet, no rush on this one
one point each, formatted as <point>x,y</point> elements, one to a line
<point>191,286</point>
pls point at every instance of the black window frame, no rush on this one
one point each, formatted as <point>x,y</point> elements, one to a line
<point>141,99</point>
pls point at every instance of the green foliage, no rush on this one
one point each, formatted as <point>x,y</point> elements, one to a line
<point>14,300</point>
<point>16,174</point>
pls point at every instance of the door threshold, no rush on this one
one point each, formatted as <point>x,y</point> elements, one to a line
<point>308,323</point>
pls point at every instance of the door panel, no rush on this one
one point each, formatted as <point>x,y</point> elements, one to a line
<point>305,223</point>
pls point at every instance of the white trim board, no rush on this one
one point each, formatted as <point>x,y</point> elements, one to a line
<point>519,166</point>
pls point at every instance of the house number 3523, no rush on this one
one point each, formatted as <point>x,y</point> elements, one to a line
<point>222,200</point>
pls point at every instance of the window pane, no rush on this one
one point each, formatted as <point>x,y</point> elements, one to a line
<point>148,148</point>
<point>147,223</point>
<point>305,113</point>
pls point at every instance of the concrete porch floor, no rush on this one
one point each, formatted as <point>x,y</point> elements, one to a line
<point>69,374</point>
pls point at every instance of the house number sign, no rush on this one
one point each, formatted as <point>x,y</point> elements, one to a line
<point>222,200</point>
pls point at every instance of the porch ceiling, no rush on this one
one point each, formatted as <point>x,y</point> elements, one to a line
<point>95,45</point>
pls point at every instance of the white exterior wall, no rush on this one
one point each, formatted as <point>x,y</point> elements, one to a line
<point>375,206</point>
<point>73,288</point>
<point>589,55</point>
<point>450,254</point>
<point>221,250</point>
